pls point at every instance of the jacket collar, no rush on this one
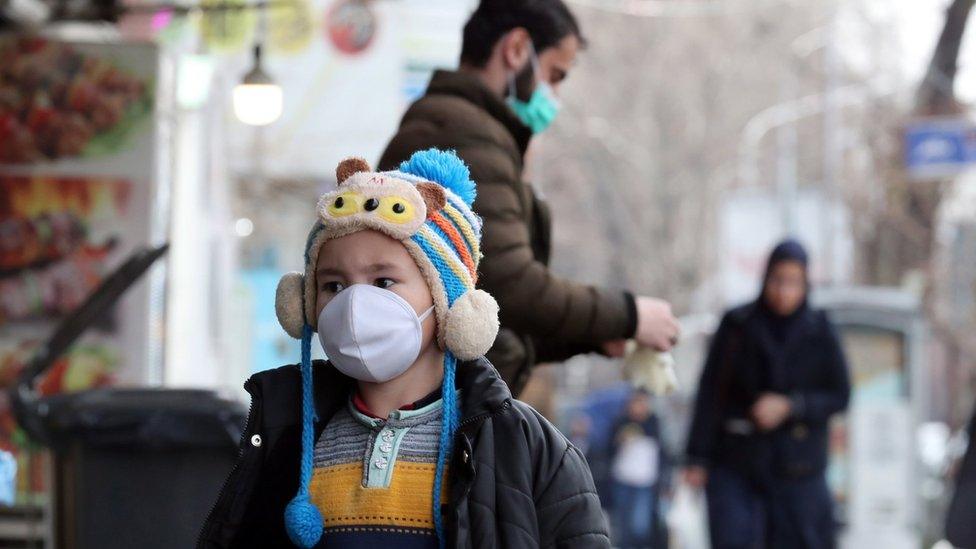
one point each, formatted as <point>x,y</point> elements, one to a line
<point>279,391</point>
<point>469,87</point>
<point>482,389</point>
<point>803,325</point>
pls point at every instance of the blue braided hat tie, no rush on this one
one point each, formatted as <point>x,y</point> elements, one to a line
<point>303,521</point>
<point>449,425</point>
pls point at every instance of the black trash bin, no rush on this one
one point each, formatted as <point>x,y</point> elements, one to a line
<point>133,468</point>
<point>140,467</point>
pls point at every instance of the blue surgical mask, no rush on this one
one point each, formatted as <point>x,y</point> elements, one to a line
<point>542,107</point>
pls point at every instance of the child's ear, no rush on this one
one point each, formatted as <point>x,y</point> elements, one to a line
<point>433,195</point>
<point>350,166</point>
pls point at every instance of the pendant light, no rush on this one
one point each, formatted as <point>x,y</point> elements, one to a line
<point>257,99</point>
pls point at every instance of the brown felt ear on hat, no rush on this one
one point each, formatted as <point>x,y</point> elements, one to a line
<point>350,166</point>
<point>433,195</point>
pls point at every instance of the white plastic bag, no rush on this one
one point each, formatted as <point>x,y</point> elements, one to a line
<point>688,519</point>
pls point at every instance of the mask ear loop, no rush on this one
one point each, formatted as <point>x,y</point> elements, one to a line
<point>534,60</point>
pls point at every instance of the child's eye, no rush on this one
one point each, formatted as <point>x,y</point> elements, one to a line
<point>333,287</point>
<point>384,282</point>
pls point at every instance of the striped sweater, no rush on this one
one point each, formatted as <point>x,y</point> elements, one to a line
<point>373,478</point>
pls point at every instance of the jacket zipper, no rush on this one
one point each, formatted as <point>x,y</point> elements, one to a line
<point>233,471</point>
<point>480,417</point>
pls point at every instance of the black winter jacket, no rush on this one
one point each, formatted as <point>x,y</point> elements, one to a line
<point>960,526</point>
<point>745,361</point>
<point>515,480</point>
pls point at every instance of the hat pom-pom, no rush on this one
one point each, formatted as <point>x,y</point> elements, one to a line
<point>445,168</point>
<point>303,522</point>
<point>471,325</point>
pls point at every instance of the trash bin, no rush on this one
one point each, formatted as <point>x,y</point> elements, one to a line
<point>138,467</point>
<point>135,467</point>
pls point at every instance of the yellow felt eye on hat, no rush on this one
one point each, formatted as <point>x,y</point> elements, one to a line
<point>396,210</point>
<point>345,204</point>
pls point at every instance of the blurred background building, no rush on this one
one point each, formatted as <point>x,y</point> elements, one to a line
<point>694,135</point>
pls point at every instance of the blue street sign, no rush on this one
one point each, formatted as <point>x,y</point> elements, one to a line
<point>939,147</point>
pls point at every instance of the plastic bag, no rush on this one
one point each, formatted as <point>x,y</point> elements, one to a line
<point>688,519</point>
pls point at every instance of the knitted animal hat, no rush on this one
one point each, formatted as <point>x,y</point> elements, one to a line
<point>426,205</point>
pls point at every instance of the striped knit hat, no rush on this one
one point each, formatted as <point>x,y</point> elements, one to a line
<point>426,205</point>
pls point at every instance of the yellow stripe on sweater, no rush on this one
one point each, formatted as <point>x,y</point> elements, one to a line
<point>339,494</point>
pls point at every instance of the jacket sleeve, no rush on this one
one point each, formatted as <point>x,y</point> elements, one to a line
<point>568,508</point>
<point>707,420</point>
<point>817,405</point>
<point>550,350</point>
<point>532,299</point>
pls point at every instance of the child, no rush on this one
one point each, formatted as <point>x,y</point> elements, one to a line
<point>407,437</point>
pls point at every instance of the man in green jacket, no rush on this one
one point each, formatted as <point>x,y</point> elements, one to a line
<point>514,55</point>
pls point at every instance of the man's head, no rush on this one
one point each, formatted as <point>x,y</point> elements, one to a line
<point>502,35</point>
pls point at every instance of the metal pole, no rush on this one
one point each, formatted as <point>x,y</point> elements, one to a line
<point>786,158</point>
<point>831,148</point>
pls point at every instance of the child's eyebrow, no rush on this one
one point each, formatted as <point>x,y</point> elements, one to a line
<point>381,267</point>
<point>327,271</point>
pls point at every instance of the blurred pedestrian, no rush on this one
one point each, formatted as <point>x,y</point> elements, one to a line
<point>636,472</point>
<point>515,54</point>
<point>774,375</point>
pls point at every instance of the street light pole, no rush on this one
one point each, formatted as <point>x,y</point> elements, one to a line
<point>831,148</point>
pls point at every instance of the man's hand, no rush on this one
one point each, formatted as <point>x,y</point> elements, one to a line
<point>771,410</point>
<point>696,476</point>
<point>615,349</point>
<point>657,327</point>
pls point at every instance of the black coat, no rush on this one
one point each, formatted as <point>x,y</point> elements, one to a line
<point>515,480</point>
<point>744,361</point>
<point>960,523</point>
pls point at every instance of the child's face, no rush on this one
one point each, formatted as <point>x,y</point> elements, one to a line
<point>371,257</point>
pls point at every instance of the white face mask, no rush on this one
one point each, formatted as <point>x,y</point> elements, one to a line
<point>371,334</point>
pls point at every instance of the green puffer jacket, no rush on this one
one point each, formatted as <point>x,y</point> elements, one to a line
<point>544,318</point>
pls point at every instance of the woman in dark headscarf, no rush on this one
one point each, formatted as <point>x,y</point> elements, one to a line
<point>774,375</point>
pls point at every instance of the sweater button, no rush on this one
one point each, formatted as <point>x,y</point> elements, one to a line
<point>256,440</point>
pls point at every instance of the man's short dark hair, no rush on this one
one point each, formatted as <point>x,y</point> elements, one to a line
<point>547,21</point>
